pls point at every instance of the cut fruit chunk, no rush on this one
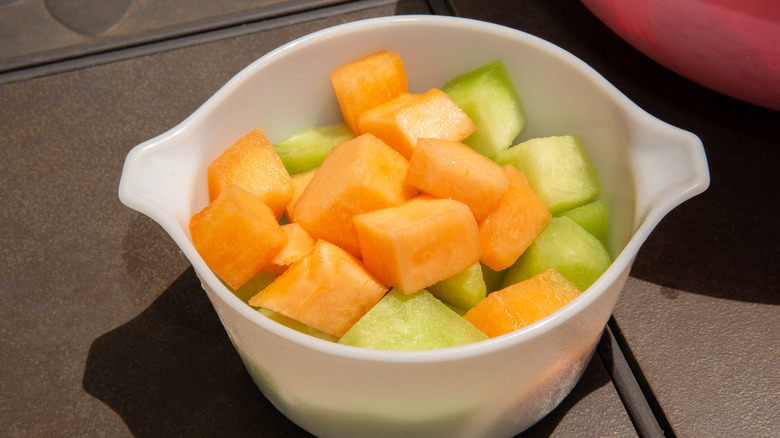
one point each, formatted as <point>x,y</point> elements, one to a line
<point>489,98</point>
<point>307,149</point>
<point>493,279</point>
<point>253,164</point>
<point>449,169</point>
<point>594,217</point>
<point>237,235</point>
<point>253,286</point>
<point>521,304</point>
<point>568,248</point>
<point>417,244</point>
<point>300,181</point>
<point>359,176</point>
<point>297,325</point>
<point>299,243</point>
<point>411,322</point>
<point>327,289</point>
<point>402,121</point>
<point>463,290</point>
<point>558,170</point>
<point>367,82</point>
<point>515,222</point>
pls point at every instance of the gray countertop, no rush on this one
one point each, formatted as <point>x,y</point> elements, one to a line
<point>105,331</point>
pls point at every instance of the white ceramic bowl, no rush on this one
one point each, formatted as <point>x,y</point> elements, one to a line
<point>493,388</point>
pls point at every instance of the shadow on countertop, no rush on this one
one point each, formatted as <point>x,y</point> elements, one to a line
<point>172,371</point>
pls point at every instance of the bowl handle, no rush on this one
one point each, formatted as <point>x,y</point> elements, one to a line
<point>151,183</point>
<point>670,168</point>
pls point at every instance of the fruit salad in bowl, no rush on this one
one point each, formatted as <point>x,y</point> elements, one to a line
<point>401,239</point>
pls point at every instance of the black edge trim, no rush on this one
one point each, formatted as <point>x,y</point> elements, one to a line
<point>631,386</point>
<point>442,7</point>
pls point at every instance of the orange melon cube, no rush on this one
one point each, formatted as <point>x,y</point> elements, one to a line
<point>521,304</point>
<point>358,176</point>
<point>300,181</point>
<point>420,243</point>
<point>253,164</point>
<point>299,243</point>
<point>402,121</point>
<point>327,289</point>
<point>507,231</point>
<point>237,235</point>
<point>449,169</point>
<point>367,82</point>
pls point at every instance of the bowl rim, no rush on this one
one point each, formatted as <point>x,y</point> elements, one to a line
<point>620,264</point>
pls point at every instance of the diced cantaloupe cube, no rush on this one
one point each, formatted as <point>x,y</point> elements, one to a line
<point>450,169</point>
<point>521,304</point>
<point>299,243</point>
<point>297,325</point>
<point>327,289</point>
<point>402,121</point>
<point>367,82</point>
<point>237,235</point>
<point>417,244</point>
<point>300,181</point>
<point>512,226</point>
<point>360,175</point>
<point>253,164</point>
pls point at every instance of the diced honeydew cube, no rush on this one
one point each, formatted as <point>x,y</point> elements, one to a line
<point>593,217</point>
<point>557,168</point>
<point>489,98</point>
<point>463,290</point>
<point>417,321</point>
<point>307,149</point>
<point>566,247</point>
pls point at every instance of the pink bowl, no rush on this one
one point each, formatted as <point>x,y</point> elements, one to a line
<point>730,46</point>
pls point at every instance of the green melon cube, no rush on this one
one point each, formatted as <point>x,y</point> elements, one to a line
<point>493,279</point>
<point>460,311</point>
<point>463,290</point>
<point>593,217</point>
<point>488,97</point>
<point>307,149</point>
<point>253,286</point>
<point>558,170</point>
<point>417,321</point>
<point>567,247</point>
